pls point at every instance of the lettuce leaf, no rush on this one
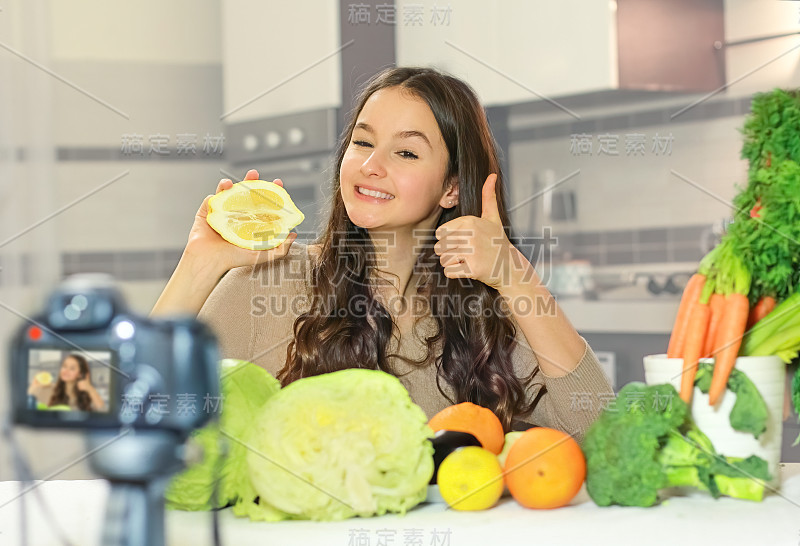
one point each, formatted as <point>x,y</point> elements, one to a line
<point>245,388</point>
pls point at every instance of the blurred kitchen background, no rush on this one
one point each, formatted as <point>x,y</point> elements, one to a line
<point>619,123</point>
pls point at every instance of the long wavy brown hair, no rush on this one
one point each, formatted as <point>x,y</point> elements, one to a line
<point>60,397</point>
<point>475,359</point>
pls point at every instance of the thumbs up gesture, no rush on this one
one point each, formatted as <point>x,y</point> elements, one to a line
<point>477,248</point>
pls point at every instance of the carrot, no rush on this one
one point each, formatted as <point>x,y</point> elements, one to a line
<point>691,293</point>
<point>760,310</point>
<point>716,305</point>
<point>696,330</point>
<point>729,339</point>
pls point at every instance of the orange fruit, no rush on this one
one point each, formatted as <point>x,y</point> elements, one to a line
<point>545,468</point>
<point>253,214</point>
<point>468,417</point>
<point>470,478</point>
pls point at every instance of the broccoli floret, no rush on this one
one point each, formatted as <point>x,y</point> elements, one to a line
<point>749,412</point>
<point>733,477</point>
<point>646,441</point>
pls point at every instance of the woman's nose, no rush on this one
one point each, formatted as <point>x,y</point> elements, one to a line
<point>373,166</point>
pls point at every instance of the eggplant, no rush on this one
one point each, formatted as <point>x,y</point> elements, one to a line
<point>447,441</point>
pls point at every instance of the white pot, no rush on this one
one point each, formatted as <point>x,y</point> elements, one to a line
<point>768,374</point>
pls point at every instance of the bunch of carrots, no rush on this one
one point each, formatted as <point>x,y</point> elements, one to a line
<point>713,315</point>
<point>757,261</point>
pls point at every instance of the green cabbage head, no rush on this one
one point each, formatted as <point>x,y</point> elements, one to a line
<point>342,444</point>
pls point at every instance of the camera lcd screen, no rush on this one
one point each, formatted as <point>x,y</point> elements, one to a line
<point>73,381</point>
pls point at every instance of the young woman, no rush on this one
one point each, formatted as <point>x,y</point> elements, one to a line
<point>414,273</point>
<point>74,387</point>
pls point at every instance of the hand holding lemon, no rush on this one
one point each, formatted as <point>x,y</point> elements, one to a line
<point>253,214</point>
<point>245,224</point>
<point>40,380</point>
<point>251,226</point>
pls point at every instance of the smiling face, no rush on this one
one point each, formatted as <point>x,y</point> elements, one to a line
<point>397,155</point>
<point>70,370</point>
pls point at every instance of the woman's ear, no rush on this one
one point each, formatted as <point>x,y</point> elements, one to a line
<point>450,198</point>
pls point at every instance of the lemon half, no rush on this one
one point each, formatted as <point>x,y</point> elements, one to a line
<point>44,378</point>
<point>254,214</point>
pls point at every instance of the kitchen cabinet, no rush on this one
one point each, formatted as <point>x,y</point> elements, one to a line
<point>279,58</point>
<point>516,51</point>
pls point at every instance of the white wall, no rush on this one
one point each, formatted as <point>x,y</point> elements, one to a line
<point>552,48</point>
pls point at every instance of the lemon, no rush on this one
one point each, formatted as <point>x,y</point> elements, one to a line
<point>44,378</point>
<point>253,214</point>
<point>470,478</point>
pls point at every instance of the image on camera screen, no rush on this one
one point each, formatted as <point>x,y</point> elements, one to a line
<point>62,380</point>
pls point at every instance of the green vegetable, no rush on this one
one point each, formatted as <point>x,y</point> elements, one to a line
<point>776,334</point>
<point>772,129</point>
<point>749,412</point>
<point>343,444</point>
<point>646,441</point>
<point>765,228</point>
<point>244,387</point>
<point>766,222</point>
<point>733,477</point>
<point>796,397</point>
<point>57,407</point>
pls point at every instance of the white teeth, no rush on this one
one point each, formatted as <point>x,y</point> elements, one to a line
<point>373,193</point>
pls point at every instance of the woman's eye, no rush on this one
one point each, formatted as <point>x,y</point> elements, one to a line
<point>362,143</point>
<point>408,155</point>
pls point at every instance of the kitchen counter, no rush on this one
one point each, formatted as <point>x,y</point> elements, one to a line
<point>694,519</point>
<point>641,316</point>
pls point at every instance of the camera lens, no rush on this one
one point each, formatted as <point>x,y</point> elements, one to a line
<point>124,329</point>
<point>79,301</point>
<point>72,312</point>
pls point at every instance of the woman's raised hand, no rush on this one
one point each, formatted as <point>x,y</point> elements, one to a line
<point>85,384</point>
<point>205,243</point>
<point>206,258</point>
<point>34,386</point>
<point>477,247</point>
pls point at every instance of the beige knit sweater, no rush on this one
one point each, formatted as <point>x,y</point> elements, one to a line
<point>252,310</point>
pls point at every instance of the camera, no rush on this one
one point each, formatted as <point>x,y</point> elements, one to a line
<point>137,386</point>
<point>86,362</point>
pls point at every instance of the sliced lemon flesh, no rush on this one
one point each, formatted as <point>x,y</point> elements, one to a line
<point>254,214</point>
<point>44,378</point>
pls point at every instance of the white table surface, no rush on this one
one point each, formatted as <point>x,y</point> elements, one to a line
<point>694,519</point>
